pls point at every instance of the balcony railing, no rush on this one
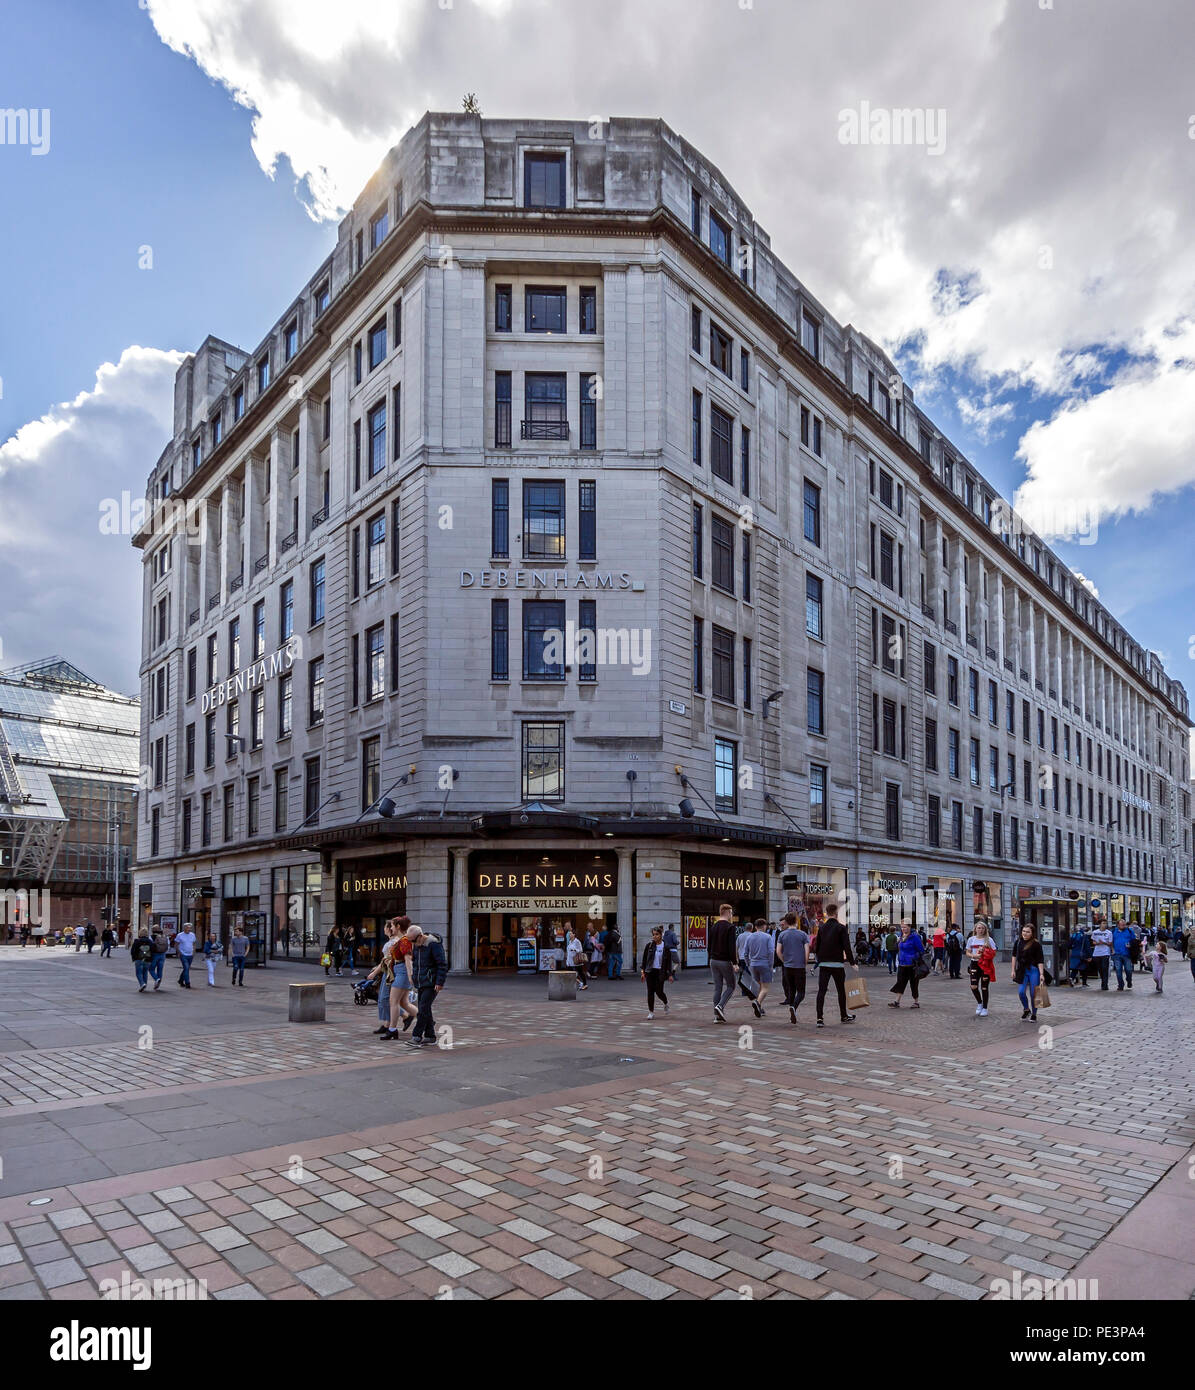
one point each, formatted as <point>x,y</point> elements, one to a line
<point>260,563</point>
<point>1024,674</point>
<point>972,641</point>
<point>192,617</point>
<point>1053,694</point>
<point>928,610</point>
<point>1037,685</point>
<point>544,429</point>
<point>287,542</point>
<point>990,653</point>
<point>212,602</point>
<point>318,518</point>
<point>950,626</point>
<point>236,582</point>
<point>1008,665</point>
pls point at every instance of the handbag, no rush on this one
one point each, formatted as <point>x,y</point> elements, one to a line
<point>856,992</point>
<point>325,959</point>
<point>922,968</point>
<point>1042,996</point>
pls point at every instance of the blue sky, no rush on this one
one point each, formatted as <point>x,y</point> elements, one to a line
<point>1043,114</point>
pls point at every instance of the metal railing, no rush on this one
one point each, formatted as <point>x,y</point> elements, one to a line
<point>260,563</point>
<point>318,518</point>
<point>236,582</point>
<point>288,542</point>
<point>192,617</point>
<point>544,429</point>
<point>928,610</point>
<point>991,653</point>
<point>1008,665</point>
<point>950,626</point>
<point>212,602</point>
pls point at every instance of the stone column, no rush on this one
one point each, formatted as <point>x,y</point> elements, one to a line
<point>459,923</point>
<point>626,899</point>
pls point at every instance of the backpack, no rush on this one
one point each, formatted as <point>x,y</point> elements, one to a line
<point>614,942</point>
<point>158,943</point>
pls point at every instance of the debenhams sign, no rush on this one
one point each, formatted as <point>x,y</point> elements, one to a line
<point>249,678</point>
<point>547,579</point>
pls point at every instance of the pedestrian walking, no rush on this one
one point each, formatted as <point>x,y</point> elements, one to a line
<point>574,957</point>
<point>1101,952</point>
<point>597,952</point>
<point>1188,940</point>
<point>237,951</point>
<point>745,981</point>
<point>891,945</point>
<point>1124,938</point>
<point>212,952</point>
<point>429,971</point>
<point>909,951</point>
<point>655,969</point>
<point>860,945</point>
<point>107,941</point>
<point>955,947</point>
<point>400,986</point>
<point>141,953</point>
<point>760,954</point>
<point>981,966</point>
<point>1159,954</point>
<point>89,936</point>
<point>939,943</point>
<point>1078,943</point>
<point>613,953</point>
<point>157,963</point>
<point>722,959</point>
<point>334,950</point>
<point>184,943</point>
<point>383,972</point>
<point>833,948</point>
<point>792,948</point>
<point>672,941</point>
<point>1027,965</point>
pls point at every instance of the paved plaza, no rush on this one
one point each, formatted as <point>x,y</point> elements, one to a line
<point>575,1150</point>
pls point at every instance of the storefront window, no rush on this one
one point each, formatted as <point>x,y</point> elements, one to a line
<point>531,896</point>
<point>706,883</point>
<point>891,899</point>
<point>295,912</point>
<point>368,893</point>
<point>810,891</point>
<point>986,907</point>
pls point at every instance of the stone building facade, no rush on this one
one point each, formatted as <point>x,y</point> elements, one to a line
<point>556,557</point>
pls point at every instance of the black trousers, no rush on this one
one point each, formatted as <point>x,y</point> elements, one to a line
<point>655,988</point>
<point>905,975</point>
<point>425,1024</point>
<point>837,973</point>
<point>979,985</point>
<point>956,961</point>
<point>1101,964</point>
<point>794,985</point>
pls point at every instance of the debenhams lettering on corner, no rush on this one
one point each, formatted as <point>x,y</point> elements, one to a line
<point>548,579</point>
<point>250,677</point>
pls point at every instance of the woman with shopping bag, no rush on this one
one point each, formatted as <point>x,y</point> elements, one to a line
<point>1028,962</point>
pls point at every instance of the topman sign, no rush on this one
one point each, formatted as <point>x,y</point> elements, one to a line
<point>250,677</point>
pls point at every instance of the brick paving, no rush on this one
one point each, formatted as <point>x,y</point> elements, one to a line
<point>915,1155</point>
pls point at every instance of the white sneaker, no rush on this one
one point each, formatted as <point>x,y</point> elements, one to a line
<point>650,1017</point>
<point>665,1008</point>
<point>978,1010</point>
<point>983,1013</point>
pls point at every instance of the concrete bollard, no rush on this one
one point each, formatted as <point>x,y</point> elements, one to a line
<point>562,984</point>
<point>306,1004</point>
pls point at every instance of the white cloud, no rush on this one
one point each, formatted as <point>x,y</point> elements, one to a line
<point>1115,452</point>
<point>68,589</point>
<point>1050,235</point>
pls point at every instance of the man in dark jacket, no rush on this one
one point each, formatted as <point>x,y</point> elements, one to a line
<point>722,960</point>
<point>833,949</point>
<point>429,970</point>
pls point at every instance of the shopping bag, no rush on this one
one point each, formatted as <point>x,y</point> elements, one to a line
<point>856,992</point>
<point>1042,996</point>
<point>325,959</point>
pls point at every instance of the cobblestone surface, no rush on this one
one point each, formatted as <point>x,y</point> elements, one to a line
<point>917,1154</point>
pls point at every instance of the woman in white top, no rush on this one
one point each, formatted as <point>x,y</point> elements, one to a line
<point>980,975</point>
<point>574,956</point>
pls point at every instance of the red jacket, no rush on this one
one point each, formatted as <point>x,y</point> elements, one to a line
<point>987,962</point>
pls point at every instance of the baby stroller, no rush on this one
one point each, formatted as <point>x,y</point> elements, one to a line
<point>365,992</point>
